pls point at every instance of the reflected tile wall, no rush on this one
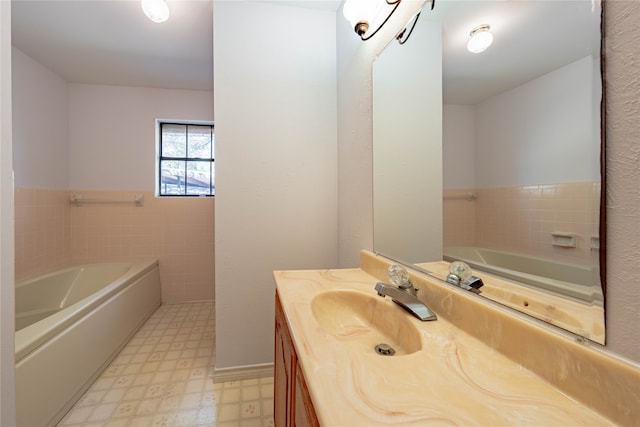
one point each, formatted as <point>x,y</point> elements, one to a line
<point>522,219</point>
<point>458,217</point>
<point>177,231</point>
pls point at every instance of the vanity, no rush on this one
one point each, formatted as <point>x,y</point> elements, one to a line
<point>477,364</point>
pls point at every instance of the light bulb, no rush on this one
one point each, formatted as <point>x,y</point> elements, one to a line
<point>361,13</point>
<point>480,39</point>
<point>156,10</point>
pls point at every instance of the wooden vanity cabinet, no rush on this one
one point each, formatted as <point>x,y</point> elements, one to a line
<point>292,402</point>
<point>304,413</point>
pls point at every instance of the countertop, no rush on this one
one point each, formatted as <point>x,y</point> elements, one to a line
<point>456,379</point>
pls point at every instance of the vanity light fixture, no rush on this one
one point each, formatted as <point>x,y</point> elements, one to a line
<point>156,10</point>
<point>363,13</point>
<point>401,35</point>
<point>481,39</point>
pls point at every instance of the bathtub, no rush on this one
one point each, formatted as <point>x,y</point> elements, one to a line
<point>70,324</point>
<point>579,282</point>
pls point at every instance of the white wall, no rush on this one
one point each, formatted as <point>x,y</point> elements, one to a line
<point>511,137</point>
<point>112,132</point>
<point>407,147</point>
<point>40,125</point>
<point>276,196</point>
<point>459,146</point>
<point>355,133</point>
<point>539,132</point>
<point>7,294</point>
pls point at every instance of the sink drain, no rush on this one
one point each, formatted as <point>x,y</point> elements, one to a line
<point>385,350</point>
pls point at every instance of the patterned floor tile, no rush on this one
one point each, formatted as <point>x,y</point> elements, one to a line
<point>164,377</point>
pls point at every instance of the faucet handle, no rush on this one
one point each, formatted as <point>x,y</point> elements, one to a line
<point>460,274</point>
<point>460,270</point>
<point>399,276</point>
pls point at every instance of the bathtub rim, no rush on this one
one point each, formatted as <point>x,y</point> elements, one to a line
<point>33,336</point>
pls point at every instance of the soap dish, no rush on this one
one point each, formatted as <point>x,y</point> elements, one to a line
<point>563,240</point>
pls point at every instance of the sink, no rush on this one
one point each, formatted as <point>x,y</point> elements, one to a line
<point>363,321</point>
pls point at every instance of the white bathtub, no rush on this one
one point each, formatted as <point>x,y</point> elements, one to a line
<point>576,281</point>
<point>70,324</point>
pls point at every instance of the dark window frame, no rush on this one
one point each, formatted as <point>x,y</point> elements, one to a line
<point>186,159</point>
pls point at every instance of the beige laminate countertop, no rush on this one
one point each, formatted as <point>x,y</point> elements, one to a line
<point>587,320</point>
<point>455,380</point>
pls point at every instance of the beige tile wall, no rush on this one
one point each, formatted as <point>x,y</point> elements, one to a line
<point>522,219</point>
<point>177,231</point>
<point>42,231</point>
<point>458,217</point>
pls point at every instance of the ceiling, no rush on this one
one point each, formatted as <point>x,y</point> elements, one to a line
<point>531,38</point>
<point>113,42</point>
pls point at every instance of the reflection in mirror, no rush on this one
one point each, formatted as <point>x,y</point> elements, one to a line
<point>407,111</point>
<point>521,173</point>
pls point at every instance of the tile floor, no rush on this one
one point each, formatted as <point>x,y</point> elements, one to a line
<point>164,377</point>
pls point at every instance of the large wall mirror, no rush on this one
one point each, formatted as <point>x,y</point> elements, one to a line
<point>494,158</point>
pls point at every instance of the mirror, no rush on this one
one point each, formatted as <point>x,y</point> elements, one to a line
<point>515,191</point>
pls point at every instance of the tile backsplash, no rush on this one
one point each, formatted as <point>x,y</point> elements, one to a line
<point>42,230</point>
<point>52,232</point>
<point>522,218</point>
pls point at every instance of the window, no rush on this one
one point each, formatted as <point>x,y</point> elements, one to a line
<point>186,159</point>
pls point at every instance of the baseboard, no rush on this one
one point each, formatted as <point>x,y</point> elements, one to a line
<point>239,373</point>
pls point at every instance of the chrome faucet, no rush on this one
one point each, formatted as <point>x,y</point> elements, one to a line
<point>460,275</point>
<point>405,294</point>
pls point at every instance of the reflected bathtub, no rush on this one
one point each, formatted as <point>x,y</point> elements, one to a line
<point>579,282</point>
<point>70,324</point>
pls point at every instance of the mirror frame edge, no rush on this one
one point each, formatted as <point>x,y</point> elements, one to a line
<point>602,229</point>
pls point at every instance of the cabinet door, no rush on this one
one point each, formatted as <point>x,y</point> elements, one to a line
<point>284,363</point>
<point>305,415</point>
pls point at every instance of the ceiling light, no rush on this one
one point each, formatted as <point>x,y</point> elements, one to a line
<point>156,10</point>
<point>480,39</point>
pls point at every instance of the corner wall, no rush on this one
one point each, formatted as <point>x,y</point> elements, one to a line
<point>41,125</point>
<point>276,199</point>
